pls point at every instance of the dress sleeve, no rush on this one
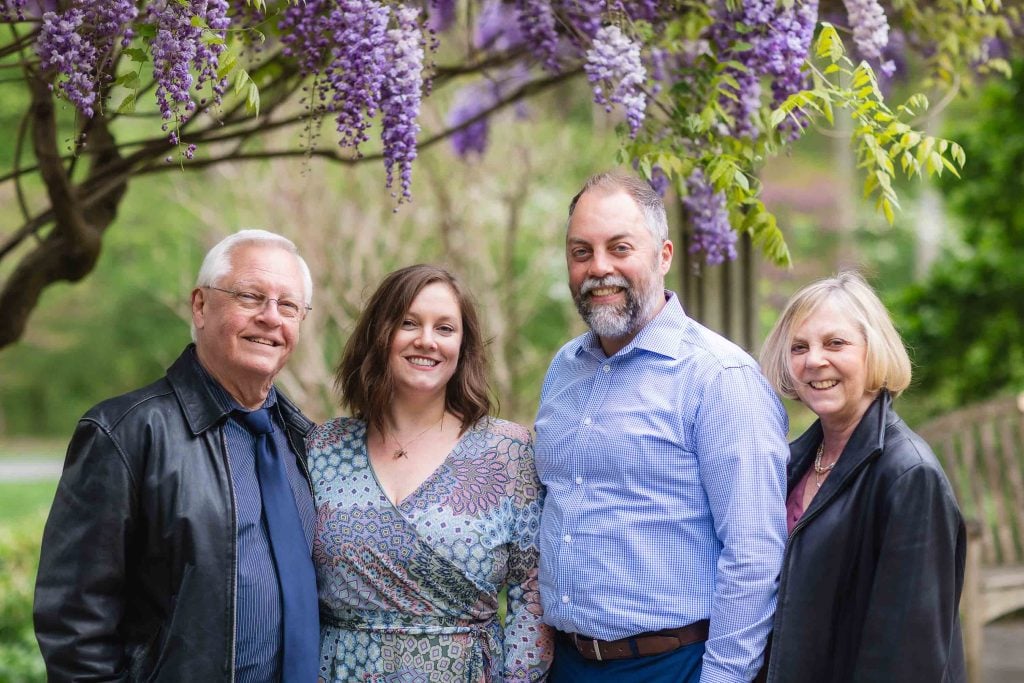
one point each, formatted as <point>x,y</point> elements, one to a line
<point>529,643</point>
<point>80,587</point>
<point>911,623</point>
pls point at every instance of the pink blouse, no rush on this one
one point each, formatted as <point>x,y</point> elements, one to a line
<point>795,501</point>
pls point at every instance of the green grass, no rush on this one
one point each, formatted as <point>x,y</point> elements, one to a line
<point>20,499</point>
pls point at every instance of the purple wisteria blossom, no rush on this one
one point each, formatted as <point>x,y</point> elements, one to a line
<point>584,17</point>
<point>304,35</point>
<point>79,44</point>
<point>62,48</point>
<point>539,27</point>
<point>181,49</point>
<point>497,27</point>
<point>358,62</point>
<point>870,30</point>
<point>709,218</point>
<point>441,14</point>
<point>614,67</point>
<point>478,97</point>
<point>779,38</point>
<point>403,86</point>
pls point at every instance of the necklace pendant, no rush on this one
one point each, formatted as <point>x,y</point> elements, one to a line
<point>400,453</point>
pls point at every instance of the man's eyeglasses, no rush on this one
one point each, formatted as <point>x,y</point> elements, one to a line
<point>255,301</point>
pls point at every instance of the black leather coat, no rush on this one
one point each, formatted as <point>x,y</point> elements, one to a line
<point>871,580</point>
<point>137,573</point>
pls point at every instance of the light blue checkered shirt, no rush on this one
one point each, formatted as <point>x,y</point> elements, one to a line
<point>665,468</point>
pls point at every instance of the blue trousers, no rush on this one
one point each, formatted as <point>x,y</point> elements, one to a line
<point>681,665</point>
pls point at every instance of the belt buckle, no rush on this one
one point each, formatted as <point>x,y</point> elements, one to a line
<point>593,643</point>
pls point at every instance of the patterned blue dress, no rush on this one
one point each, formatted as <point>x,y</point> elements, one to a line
<point>409,593</point>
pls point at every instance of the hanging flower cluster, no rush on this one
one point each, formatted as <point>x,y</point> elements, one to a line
<point>712,234</point>
<point>870,31</point>
<point>80,42</point>
<point>699,85</point>
<point>775,39</point>
<point>613,64</point>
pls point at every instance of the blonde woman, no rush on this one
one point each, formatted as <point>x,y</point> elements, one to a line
<point>871,579</point>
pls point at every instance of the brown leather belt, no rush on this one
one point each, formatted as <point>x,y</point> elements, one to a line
<point>640,645</point>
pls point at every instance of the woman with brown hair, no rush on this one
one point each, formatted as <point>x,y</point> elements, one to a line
<point>427,506</point>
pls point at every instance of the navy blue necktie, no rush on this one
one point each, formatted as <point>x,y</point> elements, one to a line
<point>295,573</point>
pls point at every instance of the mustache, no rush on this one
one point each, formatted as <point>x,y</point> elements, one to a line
<point>592,283</point>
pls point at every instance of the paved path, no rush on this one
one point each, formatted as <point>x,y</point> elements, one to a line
<point>29,469</point>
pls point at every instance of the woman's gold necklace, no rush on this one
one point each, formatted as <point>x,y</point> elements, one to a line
<point>819,471</point>
<point>403,452</point>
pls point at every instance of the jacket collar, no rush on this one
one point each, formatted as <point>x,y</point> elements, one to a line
<point>865,444</point>
<point>200,406</point>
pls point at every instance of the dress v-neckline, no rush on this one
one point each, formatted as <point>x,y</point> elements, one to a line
<point>429,478</point>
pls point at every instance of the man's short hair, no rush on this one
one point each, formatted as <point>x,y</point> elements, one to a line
<point>647,199</point>
<point>217,262</point>
<point>888,365</point>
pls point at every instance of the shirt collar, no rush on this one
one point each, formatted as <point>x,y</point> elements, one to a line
<point>221,395</point>
<point>661,335</point>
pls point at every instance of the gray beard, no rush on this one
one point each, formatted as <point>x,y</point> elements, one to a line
<point>615,322</point>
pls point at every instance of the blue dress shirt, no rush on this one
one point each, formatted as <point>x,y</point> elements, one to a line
<point>665,468</point>
<point>258,597</point>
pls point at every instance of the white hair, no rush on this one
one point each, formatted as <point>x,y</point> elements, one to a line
<point>217,262</point>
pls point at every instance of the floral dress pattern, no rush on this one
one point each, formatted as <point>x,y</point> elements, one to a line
<point>409,592</point>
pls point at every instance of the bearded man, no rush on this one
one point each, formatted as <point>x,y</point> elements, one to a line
<point>663,450</point>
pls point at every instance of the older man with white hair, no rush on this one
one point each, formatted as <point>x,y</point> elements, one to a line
<point>179,545</point>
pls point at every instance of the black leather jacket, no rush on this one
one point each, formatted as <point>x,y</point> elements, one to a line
<point>137,573</point>
<point>871,579</point>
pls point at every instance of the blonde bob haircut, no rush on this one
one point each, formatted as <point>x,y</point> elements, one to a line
<point>888,365</point>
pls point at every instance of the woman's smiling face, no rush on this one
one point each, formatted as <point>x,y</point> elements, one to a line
<point>828,362</point>
<point>425,347</point>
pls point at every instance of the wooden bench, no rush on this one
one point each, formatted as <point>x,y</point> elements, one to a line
<point>981,447</point>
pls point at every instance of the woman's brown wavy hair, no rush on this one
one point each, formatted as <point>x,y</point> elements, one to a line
<point>363,379</point>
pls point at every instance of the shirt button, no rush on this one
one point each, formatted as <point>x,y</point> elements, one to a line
<point>607,368</point>
<point>587,420</point>
<point>579,480</point>
<point>567,538</point>
<point>565,599</point>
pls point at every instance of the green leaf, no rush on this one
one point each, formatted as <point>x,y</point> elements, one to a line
<point>948,164</point>
<point>241,80</point>
<point>252,102</point>
<point>887,210</point>
<point>127,105</point>
<point>227,63</point>
<point>740,178</point>
<point>958,155</point>
<point>777,117</point>
<point>196,20</point>
<point>128,79</point>
<point>137,54</point>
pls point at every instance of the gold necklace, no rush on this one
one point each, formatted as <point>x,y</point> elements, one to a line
<point>819,471</point>
<point>402,451</point>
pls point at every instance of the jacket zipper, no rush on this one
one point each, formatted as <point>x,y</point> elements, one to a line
<point>804,520</point>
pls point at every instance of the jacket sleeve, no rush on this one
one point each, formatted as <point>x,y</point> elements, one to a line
<point>911,628</point>
<point>80,587</point>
